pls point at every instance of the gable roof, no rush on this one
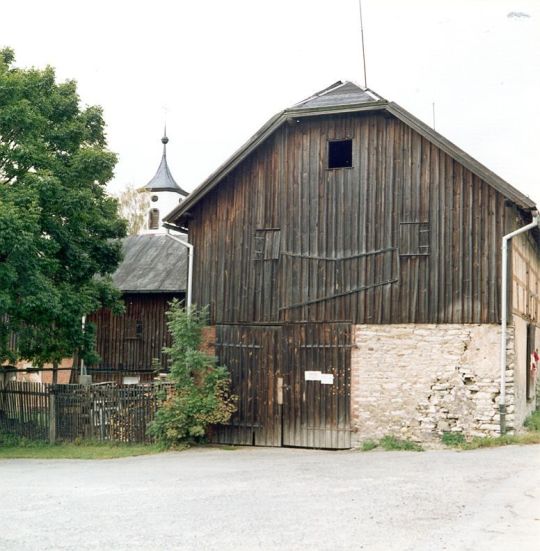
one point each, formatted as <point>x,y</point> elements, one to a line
<point>338,94</point>
<point>153,263</point>
<point>347,97</point>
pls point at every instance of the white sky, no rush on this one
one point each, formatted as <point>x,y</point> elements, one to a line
<point>221,68</point>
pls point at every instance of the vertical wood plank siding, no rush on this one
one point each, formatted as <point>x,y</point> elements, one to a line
<point>311,414</point>
<point>125,347</point>
<point>407,235</point>
<point>525,278</point>
<point>252,356</point>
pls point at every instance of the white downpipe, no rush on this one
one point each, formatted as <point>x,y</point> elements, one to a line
<point>83,325</point>
<point>190,249</point>
<point>504,316</point>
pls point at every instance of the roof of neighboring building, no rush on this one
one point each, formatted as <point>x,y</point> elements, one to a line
<point>163,179</point>
<point>153,263</point>
<point>347,97</point>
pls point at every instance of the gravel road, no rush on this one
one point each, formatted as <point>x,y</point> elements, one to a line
<point>268,498</point>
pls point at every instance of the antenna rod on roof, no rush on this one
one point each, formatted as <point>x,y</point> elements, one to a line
<point>363,47</point>
<point>433,106</point>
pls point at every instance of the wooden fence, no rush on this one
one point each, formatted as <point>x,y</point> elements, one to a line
<point>24,410</point>
<point>114,413</point>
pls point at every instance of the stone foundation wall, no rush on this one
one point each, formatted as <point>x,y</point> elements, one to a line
<point>418,381</point>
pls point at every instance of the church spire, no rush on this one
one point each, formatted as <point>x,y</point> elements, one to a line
<point>163,179</point>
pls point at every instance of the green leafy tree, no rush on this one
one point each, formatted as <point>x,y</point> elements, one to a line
<point>58,227</point>
<point>201,394</point>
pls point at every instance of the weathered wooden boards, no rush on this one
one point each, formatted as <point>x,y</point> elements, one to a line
<point>252,354</point>
<point>316,408</point>
<point>24,410</point>
<point>129,343</point>
<point>406,234</point>
<point>525,278</point>
<point>293,384</point>
<point>69,412</point>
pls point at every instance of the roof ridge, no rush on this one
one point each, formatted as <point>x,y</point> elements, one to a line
<point>322,92</point>
<point>378,103</point>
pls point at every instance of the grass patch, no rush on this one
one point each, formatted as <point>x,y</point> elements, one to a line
<point>506,440</point>
<point>21,448</point>
<point>391,443</point>
<point>532,436</point>
<point>532,422</point>
<point>453,439</point>
<point>368,445</point>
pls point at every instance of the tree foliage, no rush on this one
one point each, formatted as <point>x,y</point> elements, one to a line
<point>133,207</point>
<point>58,228</point>
<point>201,393</point>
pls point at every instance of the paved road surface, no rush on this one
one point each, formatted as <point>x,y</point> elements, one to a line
<point>263,498</point>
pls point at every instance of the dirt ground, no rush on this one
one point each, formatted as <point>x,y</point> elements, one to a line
<point>264,498</point>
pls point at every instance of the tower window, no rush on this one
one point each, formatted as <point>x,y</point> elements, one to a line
<point>340,154</point>
<point>153,219</point>
<point>154,198</point>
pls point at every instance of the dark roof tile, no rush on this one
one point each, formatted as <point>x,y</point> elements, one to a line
<point>153,263</point>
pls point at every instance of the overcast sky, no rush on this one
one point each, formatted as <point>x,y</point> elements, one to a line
<point>218,69</point>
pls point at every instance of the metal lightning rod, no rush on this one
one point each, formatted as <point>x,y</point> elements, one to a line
<point>363,47</point>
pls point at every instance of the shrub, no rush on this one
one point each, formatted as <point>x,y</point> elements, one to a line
<point>201,394</point>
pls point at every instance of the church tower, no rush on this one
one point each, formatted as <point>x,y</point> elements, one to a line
<point>164,193</point>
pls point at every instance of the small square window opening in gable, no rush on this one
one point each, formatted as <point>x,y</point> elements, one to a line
<point>340,154</point>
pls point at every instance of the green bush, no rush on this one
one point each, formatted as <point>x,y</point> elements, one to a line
<point>201,394</point>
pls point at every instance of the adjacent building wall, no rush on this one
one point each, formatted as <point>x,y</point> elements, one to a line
<point>525,263</point>
<point>131,342</point>
<point>524,405</point>
<point>418,381</point>
<point>525,281</point>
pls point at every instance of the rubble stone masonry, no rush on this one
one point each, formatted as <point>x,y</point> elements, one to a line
<point>418,381</point>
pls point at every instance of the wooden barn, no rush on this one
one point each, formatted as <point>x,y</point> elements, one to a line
<point>350,256</point>
<point>152,273</point>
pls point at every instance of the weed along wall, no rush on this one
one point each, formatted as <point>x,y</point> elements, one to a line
<point>418,381</point>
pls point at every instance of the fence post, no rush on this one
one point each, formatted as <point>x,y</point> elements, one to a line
<point>52,417</point>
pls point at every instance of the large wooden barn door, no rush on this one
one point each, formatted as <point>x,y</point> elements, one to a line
<point>293,384</point>
<point>252,355</point>
<point>317,369</point>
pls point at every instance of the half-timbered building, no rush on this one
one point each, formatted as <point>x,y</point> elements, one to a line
<point>350,257</point>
